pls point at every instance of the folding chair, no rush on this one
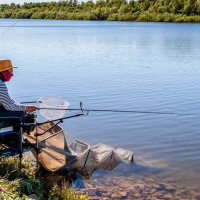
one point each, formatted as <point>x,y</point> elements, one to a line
<point>10,136</point>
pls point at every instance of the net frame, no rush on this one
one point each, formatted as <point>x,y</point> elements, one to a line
<point>54,103</point>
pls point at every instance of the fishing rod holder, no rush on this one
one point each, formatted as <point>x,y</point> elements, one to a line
<point>55,121</point>
<point>15,127</point>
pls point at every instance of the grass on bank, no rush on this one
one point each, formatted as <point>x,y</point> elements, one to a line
<point>16,185</point>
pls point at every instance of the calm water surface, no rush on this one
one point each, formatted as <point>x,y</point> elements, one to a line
<point>131,66</point>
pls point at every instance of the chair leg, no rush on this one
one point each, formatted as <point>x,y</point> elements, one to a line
<point>20,149</point>
<point>20,163</point>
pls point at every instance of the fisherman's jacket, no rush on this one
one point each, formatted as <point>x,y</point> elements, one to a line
<point>6,102</point>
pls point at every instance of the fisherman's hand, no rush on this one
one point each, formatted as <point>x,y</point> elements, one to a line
<point>30,109</point>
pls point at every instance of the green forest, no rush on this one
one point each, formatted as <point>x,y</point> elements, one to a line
<point>112,10</point>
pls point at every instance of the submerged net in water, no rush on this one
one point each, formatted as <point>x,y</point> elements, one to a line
<point>57,155</point>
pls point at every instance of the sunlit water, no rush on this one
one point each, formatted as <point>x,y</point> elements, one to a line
<point>113,65</point>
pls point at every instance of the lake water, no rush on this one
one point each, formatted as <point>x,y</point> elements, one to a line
<point>114,65</point>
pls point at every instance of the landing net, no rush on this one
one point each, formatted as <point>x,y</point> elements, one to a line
<point>54,103</point>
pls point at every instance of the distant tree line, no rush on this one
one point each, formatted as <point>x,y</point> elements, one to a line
<point>113,10</point>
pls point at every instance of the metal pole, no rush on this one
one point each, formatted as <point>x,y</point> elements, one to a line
<point>37,144</point>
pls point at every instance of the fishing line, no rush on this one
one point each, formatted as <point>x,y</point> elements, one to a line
<point>9,28</point>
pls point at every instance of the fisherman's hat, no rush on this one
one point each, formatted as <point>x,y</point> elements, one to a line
<point>5,65</point>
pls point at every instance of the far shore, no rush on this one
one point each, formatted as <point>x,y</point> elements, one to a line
<point>111,10</point>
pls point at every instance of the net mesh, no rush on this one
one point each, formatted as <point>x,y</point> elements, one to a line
<point>52,103</point>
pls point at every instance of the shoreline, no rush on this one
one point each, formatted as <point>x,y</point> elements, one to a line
<point>88,20</point>
<point>133,11</point>
<point>98,187</point>
<point>150,22</point>
<point>135,187</point>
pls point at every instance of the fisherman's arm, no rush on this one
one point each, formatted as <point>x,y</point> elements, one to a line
<point>27,109</point>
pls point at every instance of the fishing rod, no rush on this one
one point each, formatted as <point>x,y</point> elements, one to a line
<point>26,102</point>
<point>116,111</point>
<point>53,107</point>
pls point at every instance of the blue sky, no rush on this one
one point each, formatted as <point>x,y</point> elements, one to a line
<point>22,1</point>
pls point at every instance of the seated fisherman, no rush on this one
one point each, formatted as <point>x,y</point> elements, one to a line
<point>8,106</point>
